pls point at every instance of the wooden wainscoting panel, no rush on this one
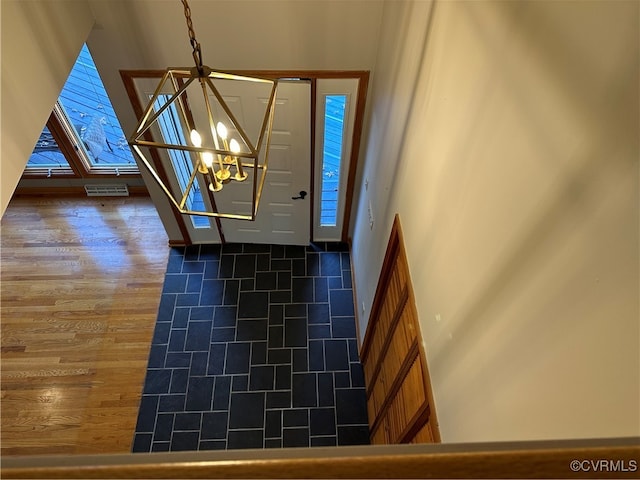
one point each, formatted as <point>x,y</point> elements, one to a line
<point>399,397</point>
<point>424,435</point>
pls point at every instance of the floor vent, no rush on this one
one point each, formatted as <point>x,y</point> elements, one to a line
<point>116,190</point>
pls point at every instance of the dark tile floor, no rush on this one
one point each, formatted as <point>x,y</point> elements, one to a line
<point>254,347</point>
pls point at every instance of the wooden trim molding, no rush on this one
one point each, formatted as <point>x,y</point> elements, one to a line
<point>358,125</point>
<point>66,148</point>
<point>604,458</point>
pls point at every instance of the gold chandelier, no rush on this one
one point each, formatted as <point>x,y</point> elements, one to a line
<point>205,146</point>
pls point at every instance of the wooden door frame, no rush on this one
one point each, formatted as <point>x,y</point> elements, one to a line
<point>128,77</point>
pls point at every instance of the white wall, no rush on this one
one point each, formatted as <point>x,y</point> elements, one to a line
<point>40,41</point>
<point>516,179</point>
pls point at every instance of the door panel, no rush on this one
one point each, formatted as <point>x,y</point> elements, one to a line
<point>280,219</point>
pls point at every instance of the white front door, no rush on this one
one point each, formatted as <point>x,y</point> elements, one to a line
<point>282,218</point>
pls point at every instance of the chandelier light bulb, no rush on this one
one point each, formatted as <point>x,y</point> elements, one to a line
<point>196,140</point>
<point>240,176</point>
<point>222,130</point>
<point>207,158</point>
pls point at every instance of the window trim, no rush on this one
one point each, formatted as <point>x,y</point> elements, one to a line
<point>70,146</point>
<point>56,127</point>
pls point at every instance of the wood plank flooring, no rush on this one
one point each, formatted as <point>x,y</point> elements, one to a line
<point>80,287</point>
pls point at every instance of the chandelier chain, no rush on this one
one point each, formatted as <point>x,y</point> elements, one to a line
<point>197,53</point>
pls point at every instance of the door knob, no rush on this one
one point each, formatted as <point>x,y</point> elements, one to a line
<point>300,196</point>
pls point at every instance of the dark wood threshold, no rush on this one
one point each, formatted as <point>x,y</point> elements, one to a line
<point>177,244</point>
<point>544,459</point>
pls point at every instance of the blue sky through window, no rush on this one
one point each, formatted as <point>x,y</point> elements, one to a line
<point>332,158</point>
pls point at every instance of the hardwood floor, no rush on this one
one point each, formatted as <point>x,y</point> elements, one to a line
<point>80,287</point>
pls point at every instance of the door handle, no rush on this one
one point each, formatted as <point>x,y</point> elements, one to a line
<point>300,196</point>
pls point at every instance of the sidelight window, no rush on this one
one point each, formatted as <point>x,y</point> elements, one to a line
<point>172,134</point>
<point>334,131</point>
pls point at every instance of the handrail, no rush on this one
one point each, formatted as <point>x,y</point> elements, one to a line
<point>599,458</point>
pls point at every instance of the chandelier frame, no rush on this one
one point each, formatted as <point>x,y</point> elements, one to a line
<point>253,155</point>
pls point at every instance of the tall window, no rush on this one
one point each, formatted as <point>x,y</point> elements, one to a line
<point>334,133</point>
<point>83,135</point>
